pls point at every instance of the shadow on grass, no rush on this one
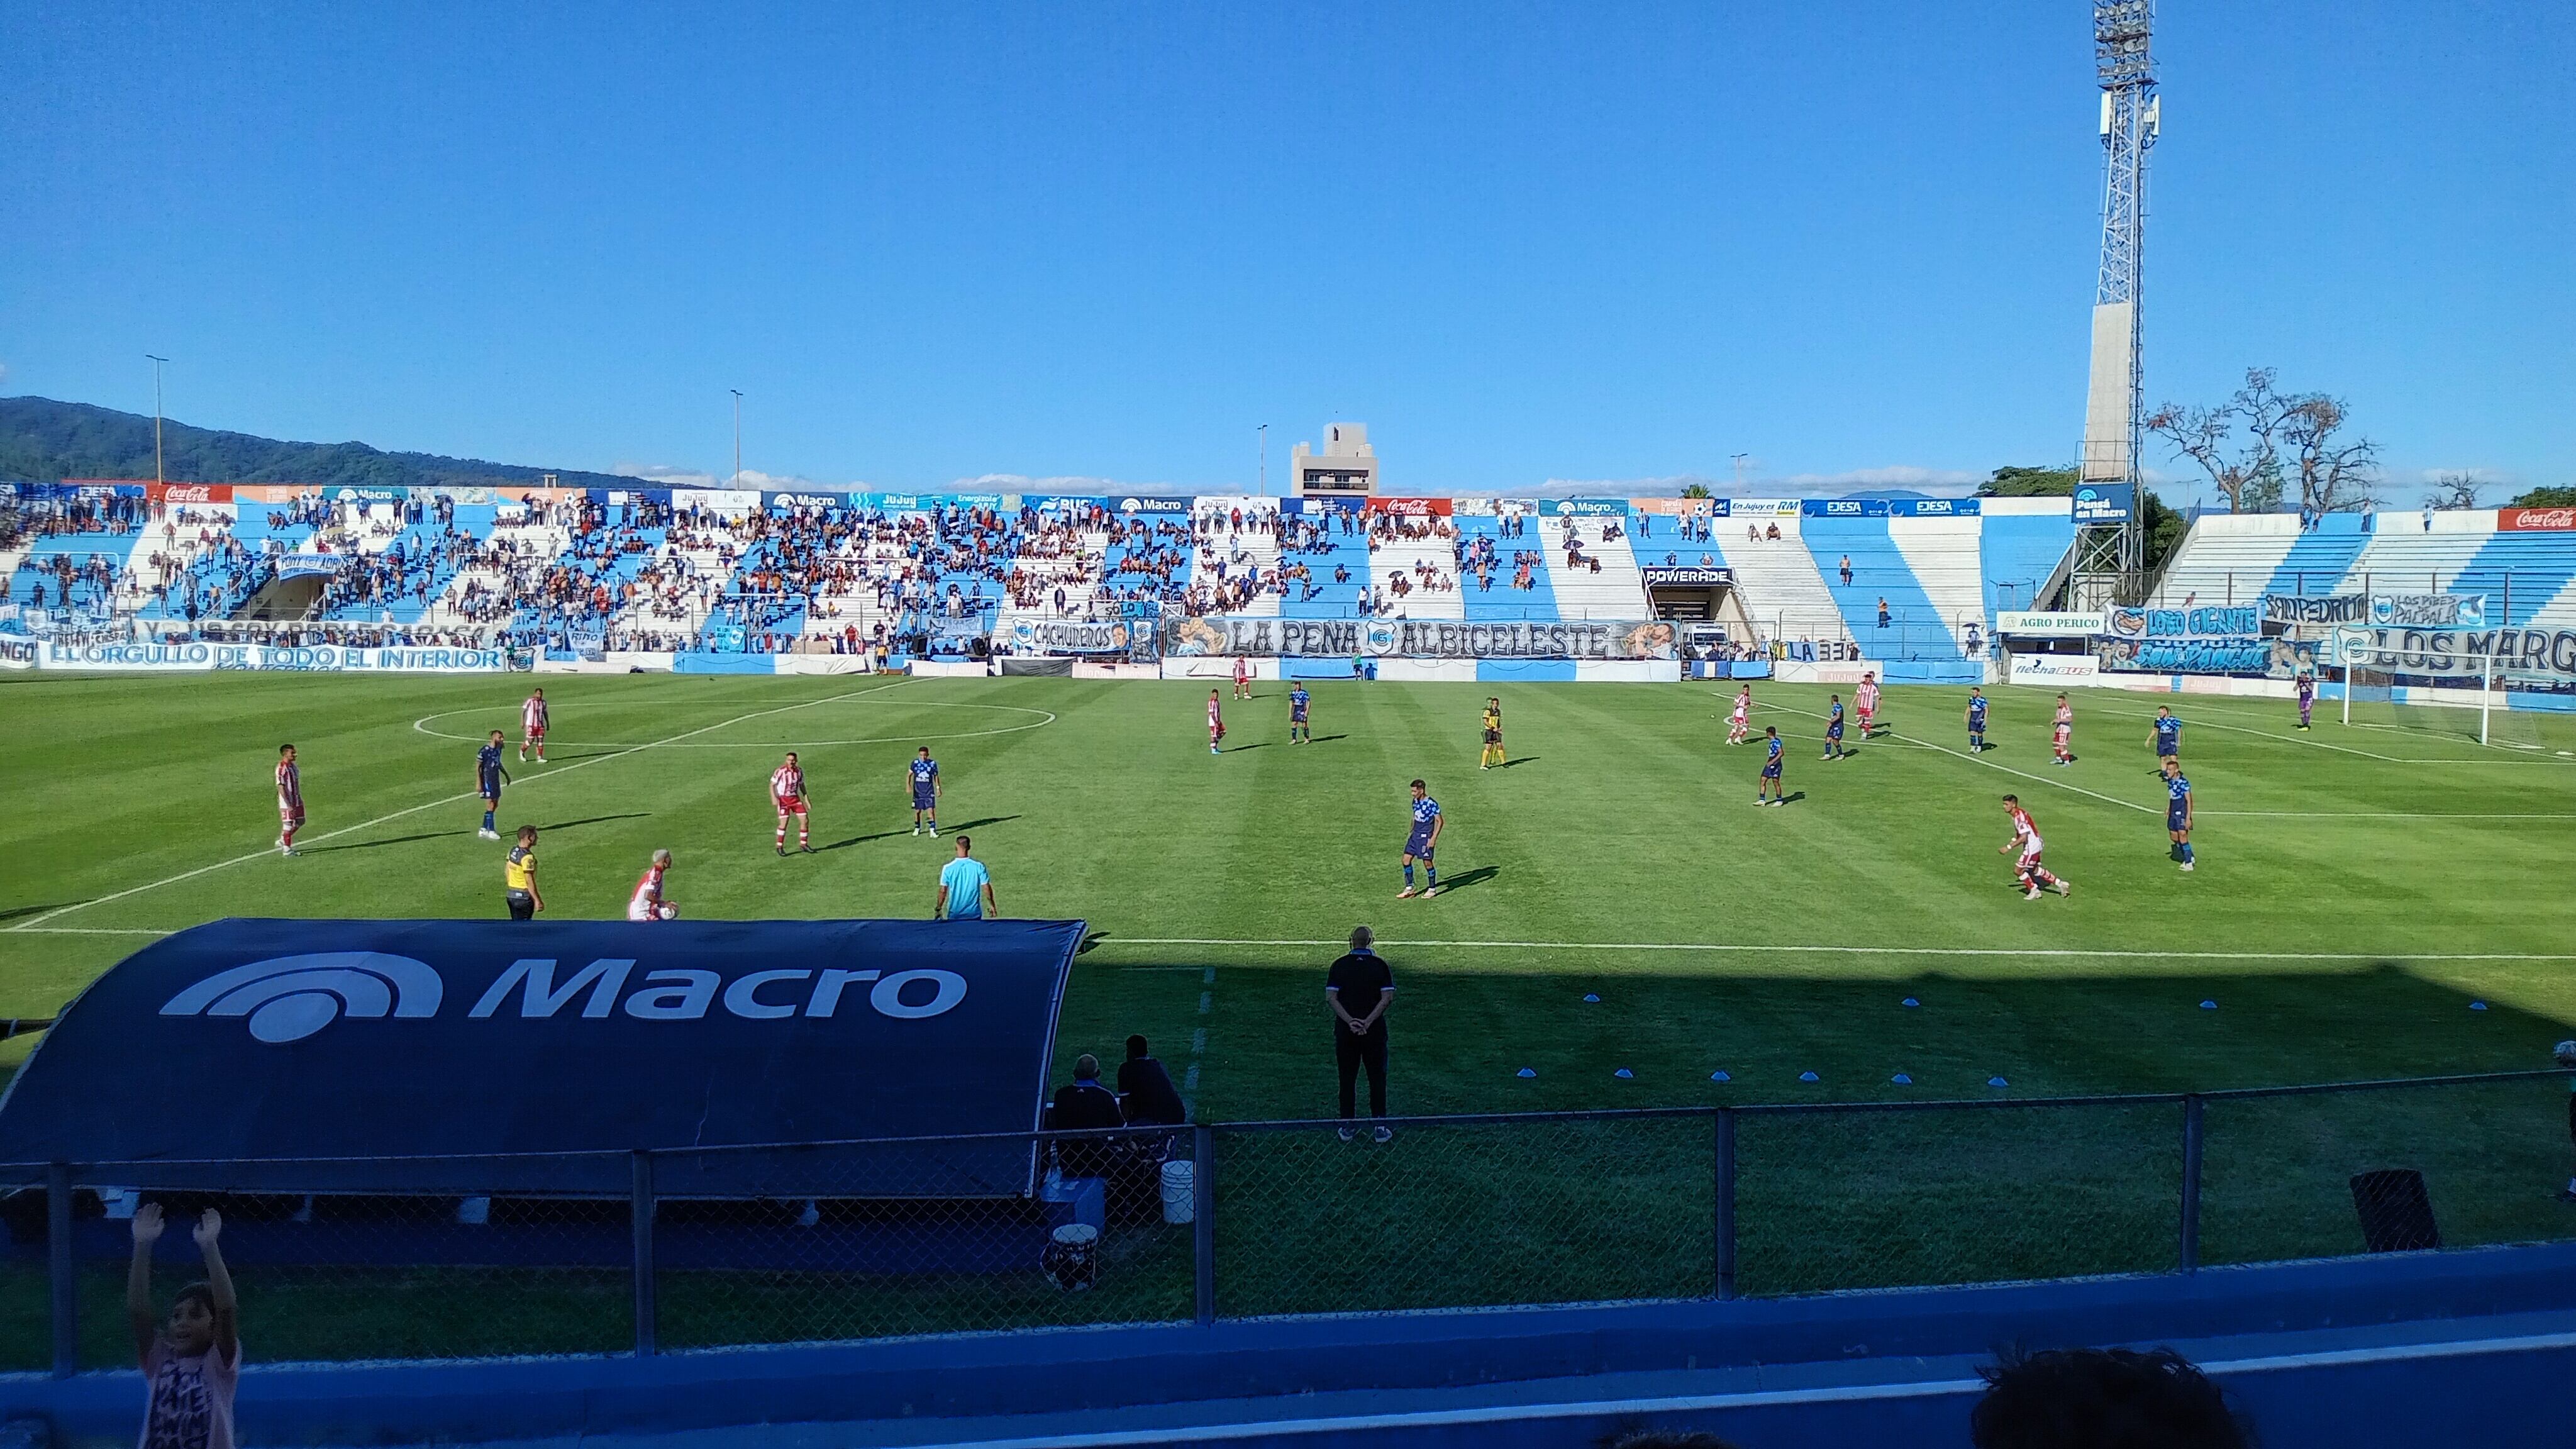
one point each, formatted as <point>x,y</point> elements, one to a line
<point>1464,879</point>
<point>598,820</point>
<point>15,912</point>
<point>947,832</point>
<point>1263,745</point>
<point>374,844</point>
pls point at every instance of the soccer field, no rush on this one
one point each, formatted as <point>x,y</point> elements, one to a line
<point>1617,919</point>
<point>2357,890</point>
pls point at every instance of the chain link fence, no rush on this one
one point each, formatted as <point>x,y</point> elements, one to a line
<point>840,1241</point>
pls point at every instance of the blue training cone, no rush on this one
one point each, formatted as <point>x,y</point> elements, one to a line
<point>2477,1006</point>
<point>1807,1077</point>
<point>1595,1000</point>
<point>1719,1076</point>
<point>1529,1071</point>
<point>1623,1074</point>
<point>1910,1001</point>
<point>2209,1006</point>
<point>1997,1082</point>
<point>1902,1080</point>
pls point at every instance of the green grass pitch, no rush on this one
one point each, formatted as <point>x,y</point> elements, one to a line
<point>2358,890</point>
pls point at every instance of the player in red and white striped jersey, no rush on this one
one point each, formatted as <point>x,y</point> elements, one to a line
<point>1865,701</point>
<point>532,726</point>
<point>648,903</point>
<point>290,799</point>
<point>2029,873</point>
<point>787,792</point>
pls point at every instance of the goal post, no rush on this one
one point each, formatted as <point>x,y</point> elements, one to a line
<point>2458,695</point>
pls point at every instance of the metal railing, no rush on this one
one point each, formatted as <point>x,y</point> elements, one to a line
<point>650,1252</point>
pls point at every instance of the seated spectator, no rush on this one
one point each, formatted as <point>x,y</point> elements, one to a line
<point>1146,1089</point>
<point>2090,1398</point>
<point>1083,1105</point>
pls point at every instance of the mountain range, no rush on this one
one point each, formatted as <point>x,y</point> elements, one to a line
<point>45,441</point>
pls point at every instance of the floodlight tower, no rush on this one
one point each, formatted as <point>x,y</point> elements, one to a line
<point>2109,553</point>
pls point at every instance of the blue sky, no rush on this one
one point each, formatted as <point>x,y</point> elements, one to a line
<point>1593,242</point>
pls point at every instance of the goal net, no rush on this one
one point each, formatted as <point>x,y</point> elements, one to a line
<point>2456,696</point>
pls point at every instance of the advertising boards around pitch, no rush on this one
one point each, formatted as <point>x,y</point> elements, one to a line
<point>2104,503</point>
<point>1686,576</point>
<point>2530,520</point>
<point>440,1042</point>
<point>2044,624</point>
<point>2055,669</point>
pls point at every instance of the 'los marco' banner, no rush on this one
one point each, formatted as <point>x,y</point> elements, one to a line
<point>1418,638</point>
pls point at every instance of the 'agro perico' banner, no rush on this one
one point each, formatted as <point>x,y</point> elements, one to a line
<point>2240,655</point>
<point>1072,636</point>
<point>2299,609</point>
<point>2542,657</point>
<point>1418,639</point>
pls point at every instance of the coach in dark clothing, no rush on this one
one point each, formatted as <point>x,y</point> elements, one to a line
<point>1080,1105</point>
<point>1145,1089</point>
<point>1360,989</point>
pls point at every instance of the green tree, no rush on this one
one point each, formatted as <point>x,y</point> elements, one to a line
<point>1696,490</point>
<point>2013,482</point>
<point>2552,497</point>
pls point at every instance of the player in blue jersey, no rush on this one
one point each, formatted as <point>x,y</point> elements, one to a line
<point>922,772</point>
<point>1299,731</point>
<point>1833,729</point>
<point>2178,810</point>
<point>1768,792</point>
<point>489,777</point>
<point>1976,721</point>
<point>2168,738</point>
<point>1425,838</point>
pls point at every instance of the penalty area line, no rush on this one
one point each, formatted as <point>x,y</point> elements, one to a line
<point>557,773</point>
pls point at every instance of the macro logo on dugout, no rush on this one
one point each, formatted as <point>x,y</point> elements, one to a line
<point>289,998</point>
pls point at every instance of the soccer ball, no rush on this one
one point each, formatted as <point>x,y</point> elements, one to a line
<point>2565,1052</point>
<point>666,913</point>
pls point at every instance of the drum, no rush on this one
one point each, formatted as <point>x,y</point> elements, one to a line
<point>1072,1257</point>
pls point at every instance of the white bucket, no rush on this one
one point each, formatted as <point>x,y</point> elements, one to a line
<point>1180,1191</point>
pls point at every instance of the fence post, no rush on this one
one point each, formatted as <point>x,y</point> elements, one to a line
<point>1203,1222</point>
<point>1723,1219</point>
<point>641,1216</point>
<point>2192,1136</point>
<point>58,1257</point>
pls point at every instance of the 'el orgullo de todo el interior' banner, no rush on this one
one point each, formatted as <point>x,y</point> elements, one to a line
<point>1419,638</point>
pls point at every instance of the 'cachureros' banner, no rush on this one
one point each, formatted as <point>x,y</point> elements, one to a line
<point>1072,636</point>
<point>1419,638</point>
<point>190,655</point>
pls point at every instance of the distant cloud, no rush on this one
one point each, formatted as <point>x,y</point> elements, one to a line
<point>1073,484</point>
<point>669,477</point>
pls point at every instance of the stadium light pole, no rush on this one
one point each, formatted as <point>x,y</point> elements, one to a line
<point>156,417</point>
<point>1264,484</point>
<point>1739,470</point>
<point>737,438</point>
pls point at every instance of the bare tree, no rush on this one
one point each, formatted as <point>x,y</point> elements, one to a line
<point>2248,472</point>
<point>2452,490</point>
<point>2336,475</point>
<point>2255,444</point>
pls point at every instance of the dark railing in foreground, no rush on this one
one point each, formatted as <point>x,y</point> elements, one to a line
<point>1270,1218</point>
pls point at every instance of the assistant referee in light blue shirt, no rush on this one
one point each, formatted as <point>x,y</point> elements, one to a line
<point>965,887</point>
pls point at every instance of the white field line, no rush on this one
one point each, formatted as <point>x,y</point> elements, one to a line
<point>38,922</point>
<point>2199,719</point>
<point>1708,947</point>
<point>1893,736</point>
<point>2375,815</point>
<point>1045,718</point>
<point>1747,948</point>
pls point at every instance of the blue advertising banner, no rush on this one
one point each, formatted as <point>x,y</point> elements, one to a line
<point>2104,502</point>
<point>431,1041</point>
<point>1588,507</point>
<point>1138,503</point>
<point>1843,507</point>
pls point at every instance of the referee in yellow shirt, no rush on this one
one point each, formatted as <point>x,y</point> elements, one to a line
<point>519,877</point>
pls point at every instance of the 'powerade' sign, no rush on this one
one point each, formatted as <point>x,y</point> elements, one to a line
<point>194,655</point>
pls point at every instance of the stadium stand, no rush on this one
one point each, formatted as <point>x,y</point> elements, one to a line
<point>670,572</point>
<point>2228,559</point>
